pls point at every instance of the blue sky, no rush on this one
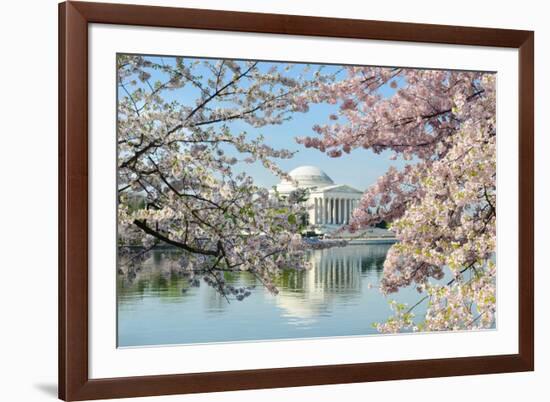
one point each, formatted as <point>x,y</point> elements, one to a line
<point>359,169</point>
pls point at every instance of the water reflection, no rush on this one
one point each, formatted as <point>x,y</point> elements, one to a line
<point>335,274</point>
<point>157,305</point>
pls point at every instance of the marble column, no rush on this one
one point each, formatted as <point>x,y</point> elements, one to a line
<point>315,210</point>
<point>346,211</point>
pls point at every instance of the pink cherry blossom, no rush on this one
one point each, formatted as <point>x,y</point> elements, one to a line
<point>442,205</point>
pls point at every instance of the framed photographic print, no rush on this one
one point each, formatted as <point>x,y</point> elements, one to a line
<point>259,200</point>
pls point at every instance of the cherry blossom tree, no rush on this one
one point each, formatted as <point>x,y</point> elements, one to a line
<point>178,149</point>
<point>442,204</point>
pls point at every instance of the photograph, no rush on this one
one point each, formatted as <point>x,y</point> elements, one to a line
<point>264,200</point>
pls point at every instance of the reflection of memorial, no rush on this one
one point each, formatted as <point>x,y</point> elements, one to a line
<point>335,273</point>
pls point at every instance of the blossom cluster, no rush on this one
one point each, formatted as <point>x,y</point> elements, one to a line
<point>442,204</point>
<point>177,153</point>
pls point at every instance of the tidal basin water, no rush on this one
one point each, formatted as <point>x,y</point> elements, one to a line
<point>338,296</point>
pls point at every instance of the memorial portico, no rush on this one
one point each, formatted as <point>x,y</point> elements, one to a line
<point>329,204</point>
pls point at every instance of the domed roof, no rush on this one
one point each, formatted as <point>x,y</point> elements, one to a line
<point>306,177</point>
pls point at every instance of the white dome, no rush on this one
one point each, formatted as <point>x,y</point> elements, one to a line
<point>306,177</point>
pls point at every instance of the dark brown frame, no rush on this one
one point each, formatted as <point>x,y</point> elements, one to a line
<point>74,17</point>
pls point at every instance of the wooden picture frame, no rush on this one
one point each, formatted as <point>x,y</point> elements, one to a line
<point>74,381</point>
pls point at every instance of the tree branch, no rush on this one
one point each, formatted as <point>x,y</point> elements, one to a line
<point>143,226</point>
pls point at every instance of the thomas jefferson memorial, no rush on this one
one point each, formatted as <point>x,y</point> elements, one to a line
<point>329,205</point>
